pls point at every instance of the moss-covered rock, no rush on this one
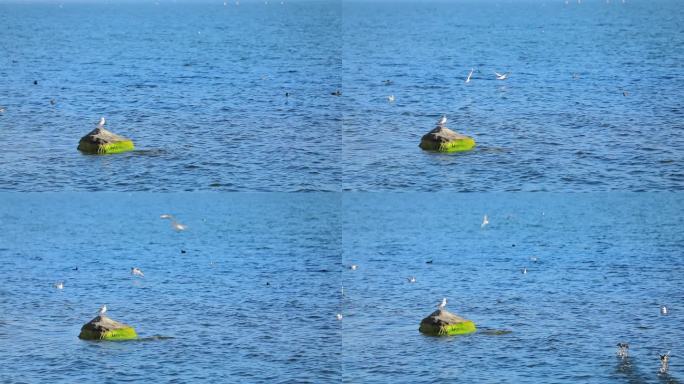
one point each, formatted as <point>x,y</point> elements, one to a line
<point>443,139</point>
<point>444,323</point>
<point>104,328</point>
<point>101,141</point>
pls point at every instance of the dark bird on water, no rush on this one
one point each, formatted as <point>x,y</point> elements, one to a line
<point>35,82</point>
<point>337,93</point>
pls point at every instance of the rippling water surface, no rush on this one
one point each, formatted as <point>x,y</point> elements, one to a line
<point>593,101</point>
<point>605,262</point>
<point>252,299</point>
<point>543,128</point>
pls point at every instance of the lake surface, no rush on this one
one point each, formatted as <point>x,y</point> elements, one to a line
<point>593,101</point>
<point>252,299</point>
<point>254,296</point>
<point>605,262</point>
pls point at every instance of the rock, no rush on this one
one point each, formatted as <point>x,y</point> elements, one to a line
<point>443,139</point>
<point>101,141</point>
<point>444,323</point>
<point>104,328</point>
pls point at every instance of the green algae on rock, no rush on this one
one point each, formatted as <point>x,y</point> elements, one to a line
<point>104,328</point>
<point>101,141</point>
<point>443,139</point>
<point>445,323</point>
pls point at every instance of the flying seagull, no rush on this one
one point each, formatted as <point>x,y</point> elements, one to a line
<point>485,221</point>
<point>501,76</point>
<point>469,75</point>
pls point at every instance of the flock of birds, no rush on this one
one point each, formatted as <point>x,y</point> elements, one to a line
<point>392,98</point>
<point>623,348</point>
<point>135,271</point>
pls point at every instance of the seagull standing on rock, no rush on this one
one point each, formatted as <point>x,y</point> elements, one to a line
<point>442,305</point>
<point>102,310</point>
<point>442,121</point>
<point>101,123</point>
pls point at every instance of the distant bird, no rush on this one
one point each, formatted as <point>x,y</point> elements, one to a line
<point>625,93</point>
<point>387,82</point>
<point>183,251</point>
<point>102,310</point>
<point>664,362</point>
<point>622,350</point>
<point>469,75</point>
<point>428,262</point>
<point>663,310</point>
<point>442,121</point>
<point>339,316</point>
<point>443,304</point>
<point>137,272</point>
<point>501,76</point>
<point>287,94</point>
<point>53,102</point>
<point>101,124</point>
<point>390,98</point>
<point>35,82</point>
<point>59,285</point>
<point>524,271</point>
<point>2,110</point>
<point>337,93</point>
<point>534,259</point>
<point>485,221</point>
<point>575,76</point>
<point>353,267</point>
<point>178,227</point>
<point>411,279</point>
<point>74,269</point>
<point>166,216</point>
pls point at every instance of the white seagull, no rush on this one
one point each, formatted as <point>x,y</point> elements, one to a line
<point>442,121</point>
<point>485,221</point>
<point>501,76</point>
<point>443,304</point>
<point>524,271</point>
<point>663,310</point>
<point>101,123</point>
<point>59,285</point>
<point>353,267</point>
<point>411,279</point>
<point>102,310</point>
<point>166,216</point>
<point>469,75</point>
<point>137,272</point>
<point>339,316</point>
<point>390,98</point>
<point>178,226</point>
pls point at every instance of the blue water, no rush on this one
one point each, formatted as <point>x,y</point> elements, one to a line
<point>201,89</point>
<point>254,297</point>
<point>605,264</point>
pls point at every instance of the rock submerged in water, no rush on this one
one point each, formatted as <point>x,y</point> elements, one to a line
<point>101,141</point>
<point>443,139</point>
<point>445,323</point>
<point>104,328</point>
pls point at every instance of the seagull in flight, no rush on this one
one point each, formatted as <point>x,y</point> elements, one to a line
<point>443,304</point>
<point>178,226</point>
<point>501,76</point>
<point>166,216</point>
<point>442,121</point>
<point>137,272</point>
<point>102,310</point>
<point>101,123</point>
<point>485,221</point>
<point>469,75</point>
